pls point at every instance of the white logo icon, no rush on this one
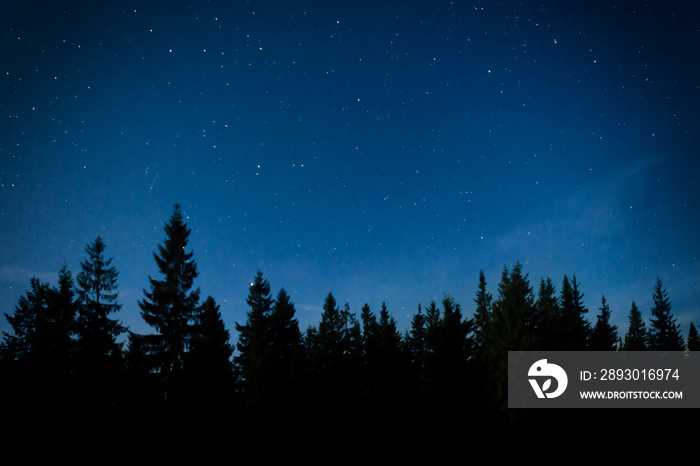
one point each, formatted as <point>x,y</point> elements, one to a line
<point>548,371</point>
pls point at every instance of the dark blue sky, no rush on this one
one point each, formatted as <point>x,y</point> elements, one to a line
<point>382,151</point>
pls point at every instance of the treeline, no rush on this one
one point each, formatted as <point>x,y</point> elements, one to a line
<point>64,363</point>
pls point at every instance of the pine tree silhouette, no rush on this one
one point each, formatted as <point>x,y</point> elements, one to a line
<point>170,307</point>
<point>604,335</point>
<point>637,336</point>
<point>664,333</point>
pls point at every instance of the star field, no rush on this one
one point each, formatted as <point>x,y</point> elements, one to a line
<point>380,151</point>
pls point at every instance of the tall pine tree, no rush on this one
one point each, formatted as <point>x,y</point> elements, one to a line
<point>372,356</point>
<point>513,314</point>
<point>352,337</point>
<point>170,306</point>
<point>390,337</point>
<point>415,341</point>
<point>637,336</point>
<point>255,344</point>
<point>62,314</point>
<point>665,333</point>
<point>35,360</point>
<point>331,349</point>
<point>371,339</point>
<point>432,319</point>
<point>24,344</point>
<point>98,351</point>
<point>286,358</point>
<point>310,345</point>
<point>482,314</point>
<point>450,350</point>
<point>209,360</point>
<point>416,350</point>
<point>332,336</point>
<point>548,315</point>
<point>573,326</point>
<point>604,335</point>
<point>390,381</point>
<point>510,328</point>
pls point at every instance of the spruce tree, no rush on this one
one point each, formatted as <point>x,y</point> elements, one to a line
<point>353,364</point>
<point>331,335</point>
<point>693,339</point>
<point>390,337</point>
<point>567,317</point>
<point>583,327</point>
<point>98,351</point>
<point>334,378</point>
<point>63,310</point>
<point>171,305</point>
<point>574,329</point>
<point>23,345</point>
<point>43,326</point>
<point>286,358</point>
<point>637,337</point>
<point>432,341</point>
<point>432,319</point>
<point>34,363</point>
<point>371,350</point>
<point>604,335</point>
<point>310,345</point>
<point>513,313</point>
<point>255,344</point>
<point>415,340</point>
<point>209,360</point>
<point>352,338</point>
<point>505,281</point>
<point>482,314</point>
<point>416,347</point>
<point>457,329</point>
<point>665,333</point>
<point>448,362</point>
<point>510,328</point>
<point>371,338</point>
<point>392,365</point>
<point>452,347</point>
<point>285,333</point>
<point>339,348</point>
<point>548,314</point>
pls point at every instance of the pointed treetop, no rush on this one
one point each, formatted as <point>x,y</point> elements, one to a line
<point>665,334</point>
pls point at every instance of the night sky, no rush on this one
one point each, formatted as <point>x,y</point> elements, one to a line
<point>381,151</point>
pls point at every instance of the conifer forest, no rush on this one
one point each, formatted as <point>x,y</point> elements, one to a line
<point>70,362</point>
